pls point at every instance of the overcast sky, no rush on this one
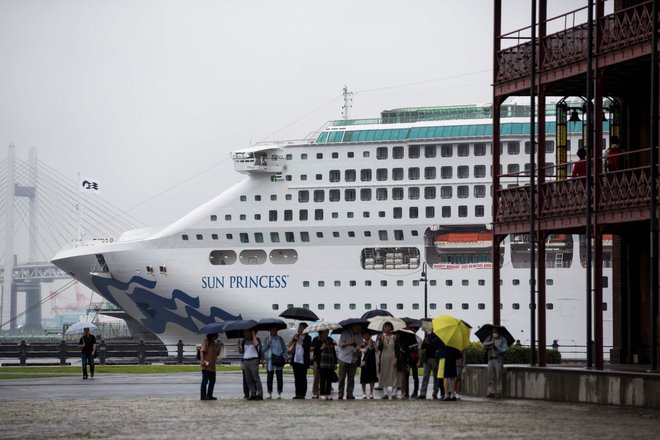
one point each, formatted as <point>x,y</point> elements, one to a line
<point>145,95</point>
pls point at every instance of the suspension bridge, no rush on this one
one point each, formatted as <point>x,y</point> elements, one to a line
<point>44,211</point>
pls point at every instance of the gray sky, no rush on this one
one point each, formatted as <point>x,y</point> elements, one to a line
<point>145,95</point>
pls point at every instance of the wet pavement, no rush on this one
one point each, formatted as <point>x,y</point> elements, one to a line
<point>154,406</point>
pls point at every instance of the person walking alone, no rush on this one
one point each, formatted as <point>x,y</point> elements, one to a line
<point>497,347</point>
<point>88,346</point>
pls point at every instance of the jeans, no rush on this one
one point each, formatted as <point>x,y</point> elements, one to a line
<point>208,377</point>
<point>87,359</point>
<point>280,381</point>
<point>430,367</point>
<point>251,369</point>
<point>346,369</point>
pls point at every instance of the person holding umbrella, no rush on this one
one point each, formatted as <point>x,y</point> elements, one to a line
<point>388,345</point>
<point>299,350</point>
<point>497,345</point>
<point>209,353</point>
<point>275,354</point>
<point>349,356</point>
<point>250,348</point>
<point>325,357</point>
<point>87,344</point>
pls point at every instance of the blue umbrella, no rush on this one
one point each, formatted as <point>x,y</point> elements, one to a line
<point>214,327</point>
<point>376,312</point>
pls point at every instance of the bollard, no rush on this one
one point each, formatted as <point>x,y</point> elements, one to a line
<point>141,352</point>
<point>62,353</point>
<point>179,352</point>
<point>102,352</point>
<point>22,353</point>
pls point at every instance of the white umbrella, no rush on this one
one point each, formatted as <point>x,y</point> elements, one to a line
<point>78,327</point>
<point>323,325</point>
<point>376,323</point>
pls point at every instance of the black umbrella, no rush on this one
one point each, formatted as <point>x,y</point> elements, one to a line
<point>214,327</point>
<point>299,314</point>
<point>235,329</point>
<point>268,323</point>
<point>376,312</point>
<point>487,329</point>
<point>411,322</point>
<point>347,323</point>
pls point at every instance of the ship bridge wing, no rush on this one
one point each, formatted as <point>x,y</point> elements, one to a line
<point>267,158</point>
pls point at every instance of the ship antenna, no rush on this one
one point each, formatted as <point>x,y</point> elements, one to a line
<point>348,103</point>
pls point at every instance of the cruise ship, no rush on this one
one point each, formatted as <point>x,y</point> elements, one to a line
<point>363,214</point>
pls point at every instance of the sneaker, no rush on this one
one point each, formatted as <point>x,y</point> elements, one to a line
<point>350,397</point>
<point>323,398</point>
<point>279,396</point>
<point>204,398</point>
<point>270,396</point>
<point>84,377</point>
<point>92,374</point>
<point>458,396</point>
<point>340,396</point>
<point>371,396</point>
<point>364,396</point>
<point>315,397</point>
<point>211,398</point>
<point>421,397</point>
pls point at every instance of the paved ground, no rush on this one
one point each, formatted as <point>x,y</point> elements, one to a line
<point>167,406</point>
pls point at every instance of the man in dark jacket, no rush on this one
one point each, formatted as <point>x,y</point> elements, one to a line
<point>88,346</point>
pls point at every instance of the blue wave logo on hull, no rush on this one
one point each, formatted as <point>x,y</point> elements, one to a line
<point>159,311</point>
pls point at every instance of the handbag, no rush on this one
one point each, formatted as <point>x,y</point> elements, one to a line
<point>277,360</point>
<point>335,378</point>
<point>327,360</point>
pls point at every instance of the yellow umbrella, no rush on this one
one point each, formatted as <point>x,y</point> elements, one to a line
<point>453,332</point>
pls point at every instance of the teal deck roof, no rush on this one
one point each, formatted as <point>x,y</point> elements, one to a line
<point>441,132</point>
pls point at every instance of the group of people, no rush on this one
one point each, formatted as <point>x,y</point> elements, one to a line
<point>388,359</point>
<point>613,159</point>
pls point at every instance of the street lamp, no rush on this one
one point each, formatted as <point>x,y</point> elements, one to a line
<point>425,279</point>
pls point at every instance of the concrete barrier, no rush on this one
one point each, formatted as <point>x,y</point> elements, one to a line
<point>565,384</point>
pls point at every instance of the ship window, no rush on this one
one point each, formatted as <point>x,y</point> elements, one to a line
<point>550,170</point>
<point>257,198</point>
<point>275,237</point>
<point>222,258</point>
<point>367,283</point>
<point>350,154</point>
<point>228,217</point>
<point>289,157</point>
<point>258,237</point>
<point>352,283</point>
<point>480,149</point>
<point>288,179</point>
<point>413,193</point>
<point>289,237</point>
<point>244,237</point>
<point>512,168</point>
<point>449,283</point>
<point>337,306</point>
<point>397,212</point>
<point>430,211</point>
<point>413,212</point>
<point>445,172</point>
<point>414,233</point>
<point>273,197</point>
<point>334,195</point>
<point>399,283</point>
<point>319,195</point>
<point>413,173</point>
<point>528,147</point>
<point>283,256</point>
<point>513,148</point>
<point>349,214</point>
<point>381,174</point>
<point>397,193</point>
<point>214,218</point>
<point>515,306</point>
<point>481,306</point>
<point>516,282</point>
<point>399,306</point>
<point>337,283</point>
<point>465,282</point>
<point>349,195</point>
<point>335,215</point>
<point>335,175</point>
<point>303,177</point>
<point>302,215</point>
<point>429,173</point>
<point>463,191</point>
<point>319,234</point>
<point>318,214</point>
<point>184,237</point>
<point>549,306</point>
<point>463,172</point>
<point>304,236</point>
<point>397,174</point>
<point>229,236</point>
<point>448,306</point>
<point>242,217</point>
<point>462,211</point>
<point>257,216</point>
<point>305,283</point>
<point>382,235</point>
<point>349,175</point>
<point>381,153</point>
<point>398,234</point>
<point>303,156</point>
<point>319,155</point>
<point>352,306</point>
<point>433,306</point>
<point>465,306</point>
<point>272,215</point>
<point>479,211</point>
<point>243,198</point>
<point>480,191</point>
<point>381,194</point>
<point>367,233</point>
<point>365,194</point>
<point>288,215</point>
<point>321,307</point>
<point>413,152</point>
<point>367,306</point>
<point>550,146</point>
<point>276,307</point>
<point>335,234</point>
<point>214,236</point>
<point>433,283</point>
<point>446,211</point>
<point>383,306</point>
<point>288,306</point>
<point>479,171</point>
<point>605,282</point>
<point>430,151</point>
<point>481,282</point>
<point>446,192</point>
<point>365,175</point>
<point>253,256</point>
<point>397,153</point>
<point>319,177</point>
<point>415,283</point>
<point>463,150</point>
<point>446,150</point>
<point>365,214</point>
